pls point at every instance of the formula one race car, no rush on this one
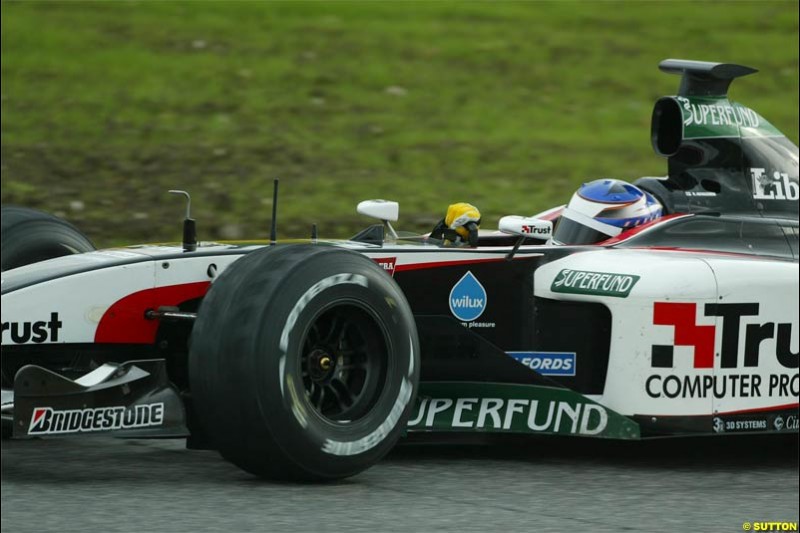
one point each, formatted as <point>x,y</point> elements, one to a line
<point>309,360</point>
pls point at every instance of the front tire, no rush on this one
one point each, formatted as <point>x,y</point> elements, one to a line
<point>304,363</point>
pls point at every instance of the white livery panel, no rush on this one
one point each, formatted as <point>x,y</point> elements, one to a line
<point>96,304</point>
<point>692,334</point>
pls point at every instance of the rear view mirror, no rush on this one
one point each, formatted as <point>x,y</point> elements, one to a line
<point>380,209</point>
<point>533,228</point>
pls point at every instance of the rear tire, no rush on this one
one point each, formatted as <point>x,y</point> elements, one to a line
<point>304,363</point>
<point>30,236</point>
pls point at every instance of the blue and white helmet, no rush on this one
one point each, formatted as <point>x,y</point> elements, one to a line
<point>602,209</point>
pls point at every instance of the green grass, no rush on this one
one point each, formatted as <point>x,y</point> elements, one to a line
<point>506,105</point>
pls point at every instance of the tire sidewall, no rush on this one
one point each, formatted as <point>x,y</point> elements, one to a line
<point>30,236</point>
<point>323,281</point>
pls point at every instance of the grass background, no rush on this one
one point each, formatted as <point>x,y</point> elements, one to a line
<point>509,106</point>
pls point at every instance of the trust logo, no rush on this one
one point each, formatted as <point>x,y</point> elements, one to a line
<point>37,332</point>
<point>682,316</point>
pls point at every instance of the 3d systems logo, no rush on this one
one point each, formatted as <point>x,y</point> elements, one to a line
<point>467,298</point>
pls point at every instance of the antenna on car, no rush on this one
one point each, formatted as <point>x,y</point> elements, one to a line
<point>189,227</point>
<point>273,231</point>
<point>314,233</point>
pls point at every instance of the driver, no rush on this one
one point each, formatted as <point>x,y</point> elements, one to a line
<point>459,226</point>
<point>602,209</point>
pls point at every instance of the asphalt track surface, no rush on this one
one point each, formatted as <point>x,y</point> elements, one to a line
<point>498,484</point>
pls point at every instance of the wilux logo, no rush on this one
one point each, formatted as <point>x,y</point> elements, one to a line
<point>683,318</point>
<point>467,298</point>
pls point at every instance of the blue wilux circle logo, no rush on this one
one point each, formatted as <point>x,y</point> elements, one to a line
<point>467,298</point>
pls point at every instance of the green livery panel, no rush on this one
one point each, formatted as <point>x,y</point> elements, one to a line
<point>511,408</point>
<point>709,117</point>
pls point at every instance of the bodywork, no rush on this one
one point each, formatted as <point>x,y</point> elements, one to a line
<point>685,325</point>
<point>620,341</point>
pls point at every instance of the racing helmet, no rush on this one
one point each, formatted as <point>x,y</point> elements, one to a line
<point>464,218</point>
<point>602,209</point>
<point>459,226</point>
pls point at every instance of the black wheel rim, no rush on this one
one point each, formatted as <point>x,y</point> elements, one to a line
<point>343,362</point>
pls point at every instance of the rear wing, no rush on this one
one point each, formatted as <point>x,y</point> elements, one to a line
<point>722,156</point>
<point>703,78</point>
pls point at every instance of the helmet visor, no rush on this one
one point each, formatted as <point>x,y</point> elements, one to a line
<point>569,231</point>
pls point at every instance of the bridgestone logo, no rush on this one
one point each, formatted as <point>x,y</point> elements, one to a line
<point>49,421</point>
<point>594,283</point>
<point>347,448</point>
<point>294,314</point>
<point>310,294</point>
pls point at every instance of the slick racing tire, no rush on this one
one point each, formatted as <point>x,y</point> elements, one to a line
<point>30,236</point>
<point>304,363</point>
